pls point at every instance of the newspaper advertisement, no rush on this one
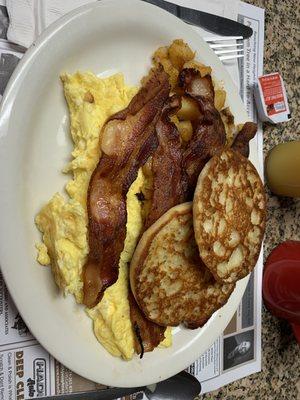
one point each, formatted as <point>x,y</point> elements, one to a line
<point>28,371</point>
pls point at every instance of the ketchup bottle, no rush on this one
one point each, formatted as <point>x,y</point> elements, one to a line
<point>281,283</point>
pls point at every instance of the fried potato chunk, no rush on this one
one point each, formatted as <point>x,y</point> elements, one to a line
<point>185,129</point>
<point>189,110</point>
<point>173,58</point>
<point>176,57</point>
<point>220,98</point>
<point>179,53</point>
<point>202,68</point>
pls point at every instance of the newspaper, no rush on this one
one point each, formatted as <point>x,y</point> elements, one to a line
<point>10,53</point>
<point>28,371</point>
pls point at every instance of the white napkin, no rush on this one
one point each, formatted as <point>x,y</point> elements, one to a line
<point>28,18</point>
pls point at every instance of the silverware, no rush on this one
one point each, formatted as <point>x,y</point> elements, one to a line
<point>226,48</point>
<point>213,23</point>
<point>182,386</point>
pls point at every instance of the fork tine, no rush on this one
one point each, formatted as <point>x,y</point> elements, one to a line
<point>222,39</point>
<point>222,58</point>
<point>234,50</point>
<point>228,51</point>
<point>219,46</point>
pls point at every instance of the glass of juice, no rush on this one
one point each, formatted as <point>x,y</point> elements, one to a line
<point>283,169</point>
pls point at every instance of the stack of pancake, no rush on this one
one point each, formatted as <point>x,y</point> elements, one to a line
<point>187,263</point>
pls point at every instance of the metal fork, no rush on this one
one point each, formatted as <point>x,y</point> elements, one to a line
<point>226,48</point>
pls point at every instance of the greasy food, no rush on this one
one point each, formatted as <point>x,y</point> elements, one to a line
<point>168,176</point>
<point>128,139</point>
<point>229,216</point>
<point>63,219</point>
<point>168,189</point>
<point>170,282</point>
<point>209,135</point>
<point>147,334</point>
<point>135,163</point>
<point>242,139</point>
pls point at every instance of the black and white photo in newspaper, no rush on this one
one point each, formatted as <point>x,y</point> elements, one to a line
<point>4,20</point>
<point>10,53</point>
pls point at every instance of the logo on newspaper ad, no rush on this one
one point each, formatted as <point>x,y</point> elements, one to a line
<point>37,384</point>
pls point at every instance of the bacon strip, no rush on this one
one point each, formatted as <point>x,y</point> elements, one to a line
<point>209,135</point>
<point>128,139</point>
<point>242,139</point>
<point>169,187</point>
<point>169,184</point>
<point>147,334</point>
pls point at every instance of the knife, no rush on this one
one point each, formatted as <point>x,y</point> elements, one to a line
<point>182,386</point>
<point>213,23</point>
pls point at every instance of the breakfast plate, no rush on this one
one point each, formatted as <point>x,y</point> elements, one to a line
<point>103,37</point>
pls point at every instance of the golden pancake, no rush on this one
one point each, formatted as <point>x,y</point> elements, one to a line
<point>169,281</point>
<point>229,216</point>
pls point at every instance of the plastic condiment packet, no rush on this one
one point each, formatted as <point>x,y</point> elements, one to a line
<point>271,99</point>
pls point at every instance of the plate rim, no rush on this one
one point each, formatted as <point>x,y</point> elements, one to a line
<point>5,108</point>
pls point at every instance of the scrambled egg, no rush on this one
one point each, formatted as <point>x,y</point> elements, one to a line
<point>63,221</point>
<point>64,228</point>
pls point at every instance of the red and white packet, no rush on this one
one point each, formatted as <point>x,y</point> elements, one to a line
<point>271,99</point>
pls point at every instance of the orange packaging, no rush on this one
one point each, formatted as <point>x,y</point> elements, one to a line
<point>271,100</point>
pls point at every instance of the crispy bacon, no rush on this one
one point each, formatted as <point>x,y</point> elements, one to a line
<point>242,139</point>
<point>169,187</point>
<point>128,139</point>
<point>169,183</point>
<point>209,135</point>
<point>148,335</point>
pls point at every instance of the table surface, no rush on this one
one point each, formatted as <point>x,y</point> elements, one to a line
<point>280,376</point>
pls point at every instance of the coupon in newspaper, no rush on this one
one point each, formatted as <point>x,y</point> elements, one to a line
<point>28,371</point>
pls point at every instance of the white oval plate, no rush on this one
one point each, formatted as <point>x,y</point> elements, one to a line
<point>35,145</point>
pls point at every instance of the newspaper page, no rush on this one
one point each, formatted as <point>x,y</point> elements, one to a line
<point>10,53</point>
<point>28,371</point>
